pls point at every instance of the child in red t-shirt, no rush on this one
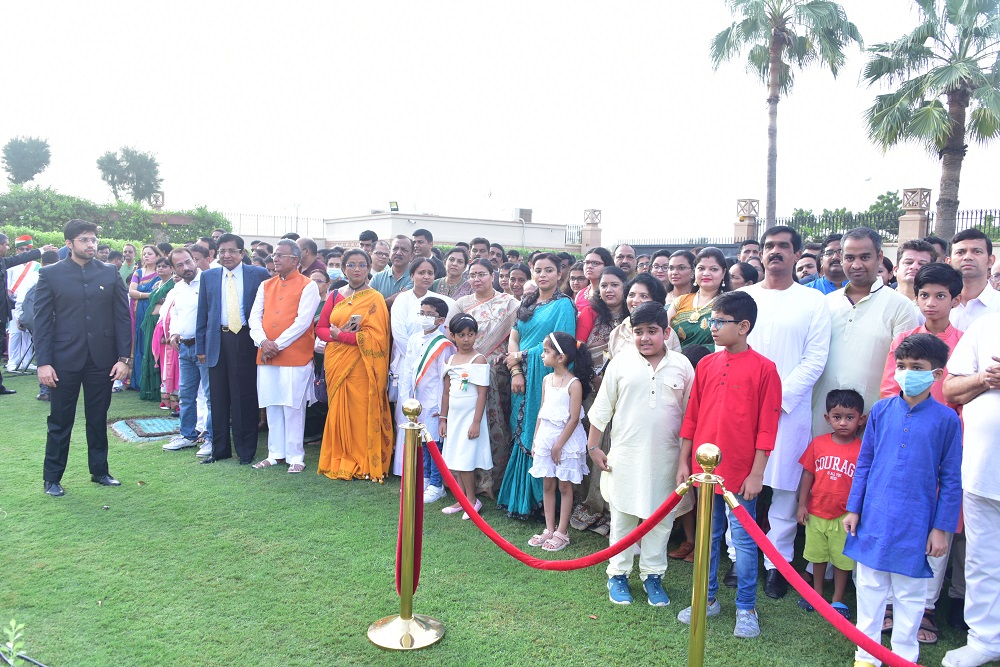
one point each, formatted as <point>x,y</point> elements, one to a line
<point>828,471</point>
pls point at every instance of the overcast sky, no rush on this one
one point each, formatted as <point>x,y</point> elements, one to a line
<point>330,109</point>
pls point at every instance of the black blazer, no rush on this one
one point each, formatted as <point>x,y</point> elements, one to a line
<point>5,263</point>
<point>80,310</point>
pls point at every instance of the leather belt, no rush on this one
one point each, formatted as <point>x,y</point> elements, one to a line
<point>187,341</point>
<point>228,330</point>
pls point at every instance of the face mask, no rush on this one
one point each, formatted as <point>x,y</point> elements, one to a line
<point>914,383</point>
<point>427,322</point>
<point>335,274</point>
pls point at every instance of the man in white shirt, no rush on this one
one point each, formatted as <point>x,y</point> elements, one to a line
<point>972,254</point>
<point>193,374</point>
<point>974,381</point>
<point>793,331</point>
<point>20,279</point>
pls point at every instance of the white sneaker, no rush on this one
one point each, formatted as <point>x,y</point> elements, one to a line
<point>205,450</point>
<point>432,494</point>
<point>179,442</point>
<point>966,656</point>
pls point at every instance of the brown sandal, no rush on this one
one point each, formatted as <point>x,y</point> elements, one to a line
<point>929,627</point>
<point>887,619</point>
<point>683,551</point>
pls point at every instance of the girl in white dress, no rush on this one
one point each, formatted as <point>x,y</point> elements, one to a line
<point>559,451</point>
<point>463,411</point>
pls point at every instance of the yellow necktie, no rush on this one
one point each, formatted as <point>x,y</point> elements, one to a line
<point>233,304</point>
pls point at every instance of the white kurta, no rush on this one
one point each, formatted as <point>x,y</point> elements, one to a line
<point>647,406</point>
<point>290,386</point>
<point>404,321</point>
<point>861,335</point>
<point>793,331</point>
<point>429,393</point>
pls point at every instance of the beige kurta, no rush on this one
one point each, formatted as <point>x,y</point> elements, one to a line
<point>648,406</point>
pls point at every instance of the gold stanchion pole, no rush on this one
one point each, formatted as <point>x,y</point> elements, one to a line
<point>708,456</point>
<point>407,631</point>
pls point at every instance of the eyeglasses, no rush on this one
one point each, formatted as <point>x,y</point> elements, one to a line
<point>231,251</point>
<point>682,267</point>
<point>574,279</point>
<point>833,253</point>
<point>478,276</point>
<point>592,262</point>
<point>660,267</point>
<point>380,254</point>
<point>356,265</point>
<point>716,323</point>
<point>280,255</point>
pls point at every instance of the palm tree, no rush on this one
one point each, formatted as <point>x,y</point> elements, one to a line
<point>783,35</point>
<point>953,54</point>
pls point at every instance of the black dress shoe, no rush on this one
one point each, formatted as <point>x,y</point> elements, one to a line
<point>105,480</point>
<point>4,391</point>
<point>208,459</point>
<point>775,585</point>
<point>245,462</point>
<point>731,580</point>
<point>54,489</point>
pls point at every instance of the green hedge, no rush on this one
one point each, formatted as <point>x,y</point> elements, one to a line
<point>39,210</point>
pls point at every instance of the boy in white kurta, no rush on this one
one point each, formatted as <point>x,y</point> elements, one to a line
<point>645,389</point>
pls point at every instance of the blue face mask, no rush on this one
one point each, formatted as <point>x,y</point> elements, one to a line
<point>914,383</point>
<point>335,274</point>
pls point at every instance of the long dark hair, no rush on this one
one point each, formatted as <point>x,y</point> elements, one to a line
<point>577,358</point>
<point>717,255</point>
<point>597,303</point>
<point>692,260</point>
<point>657,293</point>
<point>530,302</point>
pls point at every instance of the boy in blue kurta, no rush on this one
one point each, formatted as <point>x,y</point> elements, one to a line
<point>905,498</point>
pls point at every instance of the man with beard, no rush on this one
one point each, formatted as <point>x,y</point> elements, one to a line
<point>972,254</point>
<point>832,276</point>
<point>793,331</point>
<point>806,268</point>
<point>866,317</point>
<point>625,260</point>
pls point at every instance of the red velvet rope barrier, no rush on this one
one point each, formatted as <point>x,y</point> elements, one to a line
<point>418,527</point>
<point>842,625</point>
<point>560,565</point>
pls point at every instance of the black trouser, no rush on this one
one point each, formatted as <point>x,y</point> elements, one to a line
<point>232,384</point>
<point>96,383</point>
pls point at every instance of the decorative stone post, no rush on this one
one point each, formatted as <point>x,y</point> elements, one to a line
<point>747,211</point>
<point>591,235</point>
<point>914,223</point>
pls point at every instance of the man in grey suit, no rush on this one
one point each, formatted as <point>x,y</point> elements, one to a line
<point>83,337</point>
<point>222,340</point>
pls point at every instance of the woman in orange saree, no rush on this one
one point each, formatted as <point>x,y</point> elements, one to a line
<point>357,439</point>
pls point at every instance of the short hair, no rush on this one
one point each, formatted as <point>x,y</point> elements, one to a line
<point>460,251</point>
<point>164,247</point>
<point>650,313</point>
<point>830,239</point>
<point>479,240</point>
<point>463,244</point>
<point>738,305</point>
<point>401,237</point>
<point>566,257</point>
<point>695,353</point>
<point>461,322</point>
<point>861,233</point>
<point>939,273</point>
<point>916,245</point>
<point>381,242</point>
<point>211,243</point>
<point>809,255</point>
<point>290,235</point>
<point>845,398</point>
<point>129,245</point>
<point>937,241</point>
<point>51,257</point>
<point>748,271</point>
<point>781,229</point>
<point>184,250</point>
<point>657,292</point>
<point>661,253</point>
<point>229,238</point>
<point>368,236</point>
<point>288,243</point>
<point>326,276</point>
<point>973,235</point>
<point>310,245</point>
<point>424,233</point>
<point>752,242</point>
<point>437,304</point>
<point>356,251</point>
<point>112,256</point>
<point>219,229</point>
<point>415,265</point>
<point>164,261</point>
<point>512,253</point>
<point>923,347</point>
<point>100,246</point>
<point>194,250</point>
<point>500,248</point>
<point>523,268</point>
<point>75,227</point>
<point>638,257</point>
<point>507,265</point>
<point>268,246</point>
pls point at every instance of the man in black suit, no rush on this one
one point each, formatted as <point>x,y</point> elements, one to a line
<point>5,263</point>
<point>222,340</point>
<point>83,337</point>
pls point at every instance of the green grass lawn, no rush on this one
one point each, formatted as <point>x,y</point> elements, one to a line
<point>223,565</point>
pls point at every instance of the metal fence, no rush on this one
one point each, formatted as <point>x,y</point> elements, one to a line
<point>818,227</point>
<point>251,224</point>
<point>985,220</point>
<point>574,234</point>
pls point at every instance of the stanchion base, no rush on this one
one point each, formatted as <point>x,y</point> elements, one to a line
<point>397,634</point>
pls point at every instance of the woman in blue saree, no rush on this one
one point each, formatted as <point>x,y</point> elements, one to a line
<point>540,314</point>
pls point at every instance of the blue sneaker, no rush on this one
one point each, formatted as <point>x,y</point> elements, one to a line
<point>618,589</point>
<point>654,590</point>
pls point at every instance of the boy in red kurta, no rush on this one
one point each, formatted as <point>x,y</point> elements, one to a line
<point>828,471</point>
<point>735,404</point>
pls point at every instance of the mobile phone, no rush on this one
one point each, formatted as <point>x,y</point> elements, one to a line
<point>353,324</point>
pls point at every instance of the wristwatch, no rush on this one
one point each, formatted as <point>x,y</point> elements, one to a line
<point>125,360</point>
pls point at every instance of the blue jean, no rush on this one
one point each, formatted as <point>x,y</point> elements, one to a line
<point>746,552</point>
<point>431,470</point>
<point>192,374</point>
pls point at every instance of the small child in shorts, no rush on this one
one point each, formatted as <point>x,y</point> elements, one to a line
<point>828,471</point>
